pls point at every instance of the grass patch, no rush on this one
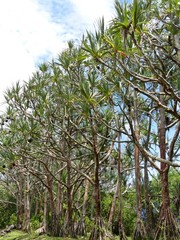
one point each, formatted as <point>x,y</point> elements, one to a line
<point>19,235</point>
<point>14,235</point>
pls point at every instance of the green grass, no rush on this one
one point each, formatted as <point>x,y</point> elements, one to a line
<point>14,235</point>
<point>19,235</point>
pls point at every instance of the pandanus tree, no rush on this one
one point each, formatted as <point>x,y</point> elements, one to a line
<point>88,102</point>
<point>58,114</point>
<point>99,137</point>
<point>26,103</point>
<point>158,66</point>
<point>15,161</point>
<point>141,48</point>
<point>42,117</point>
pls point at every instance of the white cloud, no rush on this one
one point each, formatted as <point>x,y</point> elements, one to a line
<point>35,29</point>
<point>92,10</point>
<point>26,33</point>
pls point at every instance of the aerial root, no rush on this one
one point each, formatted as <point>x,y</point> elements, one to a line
<point>167,227</point>
<point>140,232</point>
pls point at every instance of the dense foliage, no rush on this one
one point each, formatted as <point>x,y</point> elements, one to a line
<point>90,144</point>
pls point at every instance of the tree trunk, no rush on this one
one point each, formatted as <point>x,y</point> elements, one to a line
<point>97,231</point>
<point>139,232</point>
<point>113,206</point>
<point>69,226</point>
<point>20,201</point>
<point>36,212</point>
<point>26,222</point>
<point>59,204</point>
<point>122,235</point>
<point>149,224</point>
<point>148,214</point>
<point>45,212</point>
<point>55,223</point>
<point>167,227</point>
<point>82,230</point>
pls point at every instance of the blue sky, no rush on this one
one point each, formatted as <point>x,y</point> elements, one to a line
<point>34,30</point>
